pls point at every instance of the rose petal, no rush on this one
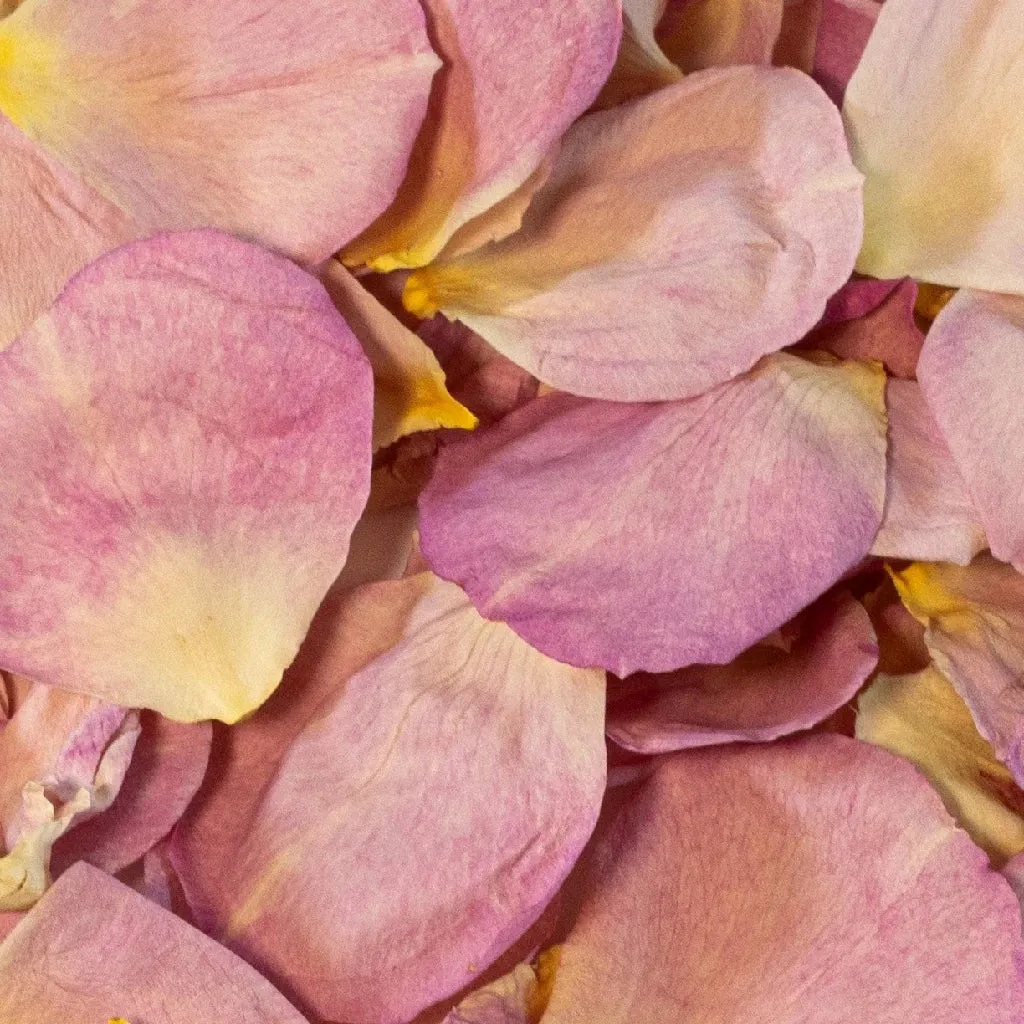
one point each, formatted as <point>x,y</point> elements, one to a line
<point>213,115</point>
<point>679,238</point>
<point>516,998</point>
<point>186,439</point>
<point>798,34</point>
<point>843,33</point>
<point>816,880</point>
<point>484,135</point>
<point>921,718</point>
<point>974,619</point>
<point>460,746</point>
<point>858,297</point>
<point>969,370</point>
<point>1013,872</point>
<point>647,537</point>
<point>901,646</point>
<point>92,948</point>
<point>641,66</point>
<point>928,513</point>
<point>926,112</point>
<point>699,34</point>
<point>773,689</point>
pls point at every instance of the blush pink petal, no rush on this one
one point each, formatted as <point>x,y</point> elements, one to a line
<point>185,438</point>
<point>929,515</point>
<point>290,124</point>
<point>858,297</point>
<point>1013,872</point>
<point>512,83</point>
<point>843,33</point>
<point>679,238</point>
<point>649,537</point>
<point>52,226</point>
<point>969,370</point>
<point>93,950</point>
<point>449,784</point>
<point>782,685</point>
<point>816,880</point>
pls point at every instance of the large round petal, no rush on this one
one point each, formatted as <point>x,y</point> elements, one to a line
<point>818,881</point>
<point>648,537</point>
<point>185,439</point>
<point>930,111</point>
<point>387,829</point>
<point>678,239</point>
<point>288,123</point>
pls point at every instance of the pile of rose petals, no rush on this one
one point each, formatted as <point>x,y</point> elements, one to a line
<point>512,512</point>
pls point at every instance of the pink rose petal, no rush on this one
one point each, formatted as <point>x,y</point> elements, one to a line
<point>816,880</point>
<point>185,437</point>
<point>216,115</point>
<point>648,537</point>
<point>450,783</point>
<point>678,239</point>
<point>779,686</point>
<point>93,950</point>
<point>843,33</point>
<point>858,297</point>
<point>929,514</point>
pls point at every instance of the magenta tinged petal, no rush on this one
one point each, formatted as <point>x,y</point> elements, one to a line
<point>843,32</point>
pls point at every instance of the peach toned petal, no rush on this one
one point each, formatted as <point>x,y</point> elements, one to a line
<point>641,66</point>
<point>698,34</point>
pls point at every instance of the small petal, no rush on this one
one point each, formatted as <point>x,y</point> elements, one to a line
<point>185,440</point>
<point>455,746</point>
<point>699,34</point>
<point>858,297</point>
<point>517,998</point>
<point>843,33</point>
<point>678,239</point>
<point>648,537</point>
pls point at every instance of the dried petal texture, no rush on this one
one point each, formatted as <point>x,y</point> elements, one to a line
<point>974,629</point>
<point>166,771</point>
<point>843,33</point>
<point>513,82</point>
<point>736,886</point>
<point>213,115</point>
<point>779,686</point>
<point>648,537</point>
<point>458,746</point>
<point>409,385</point>
<point>93,949</point>
<point>921,718</point>
<point>678,239</point>
<point>185,438</point>
<point>927,113</point>
<point>698,34</point>
<point>969,370</point>
<point>929,515</point>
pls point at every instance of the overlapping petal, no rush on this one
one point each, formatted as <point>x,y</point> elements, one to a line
<point>969,370</point>
<point>214,115</point>
<point>447,773</point>
<point>817,880</point>
<point>698,34</point>
<point>519,997</point>
<point>641,66</point>
<point>928,111</point>
<point>185,440</point>
<point>678,239</point>
<point>843,33</point>
<point>648,537</point>
<point>93,951</point>
<point>789,681</point>
<point>512,84</point>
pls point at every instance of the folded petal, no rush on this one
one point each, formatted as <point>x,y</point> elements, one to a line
<point>53,225</point>
<point>929,514</point>
<point>510,87</point>
<point>816,880</point>
<point>93,950</point>
<point>921,718</point>
<point>516,998</point>
<point>974,619</point>
<point>214,115</point>
<point>969,370</point>
<point>185,440</point>
<point>901,646</point>
<point>449,783</point>
<point>678,239</point>
<point>843,32</point>
<point>648,537</point>
<point>409,385</point>
<point>788,682</point>
<point>927,113</point>
<point>699,34</point>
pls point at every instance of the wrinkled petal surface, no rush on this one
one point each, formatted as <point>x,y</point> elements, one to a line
<point>212,115</point>
<point>457,746</point>
<point>817,880</point>
<point>843,33</point>
<point>927,112</point>
<point>648,537</point>
<point>185,439</point>
<point>679,238</point>
<point>93,950</point>
<point>784,684</point>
